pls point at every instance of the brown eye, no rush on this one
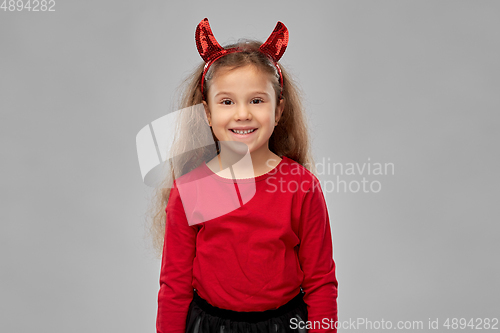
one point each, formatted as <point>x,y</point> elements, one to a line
<point>226,100</point>
<point>258,100</point>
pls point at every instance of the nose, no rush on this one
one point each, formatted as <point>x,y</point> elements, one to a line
<point>243,113</point>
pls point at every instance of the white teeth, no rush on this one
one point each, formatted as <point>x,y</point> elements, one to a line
<point>243,132</point>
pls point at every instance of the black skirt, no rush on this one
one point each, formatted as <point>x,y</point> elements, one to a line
<point>202,317</point>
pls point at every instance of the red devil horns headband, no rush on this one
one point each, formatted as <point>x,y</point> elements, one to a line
<point>210,50</point>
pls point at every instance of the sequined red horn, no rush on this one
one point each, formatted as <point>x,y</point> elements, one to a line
<point>275,46</point>
<point>207,45</point>
<point>277,42</point>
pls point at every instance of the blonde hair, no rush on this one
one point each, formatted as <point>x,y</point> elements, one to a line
<point>290,137</point>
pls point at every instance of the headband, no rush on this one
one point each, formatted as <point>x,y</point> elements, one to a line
<point>210,50</point>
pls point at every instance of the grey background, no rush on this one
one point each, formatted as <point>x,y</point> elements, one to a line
<point>414,83</point>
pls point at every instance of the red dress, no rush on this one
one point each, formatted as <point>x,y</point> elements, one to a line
<point>247,245</point>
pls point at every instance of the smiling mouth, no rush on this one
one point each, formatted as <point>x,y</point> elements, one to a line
<point>241,132</point>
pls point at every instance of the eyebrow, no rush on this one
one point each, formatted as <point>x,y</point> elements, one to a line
<point>252,93</point>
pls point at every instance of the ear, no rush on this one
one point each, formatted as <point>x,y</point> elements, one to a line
<point>279,111</point>
<point>207,112</point>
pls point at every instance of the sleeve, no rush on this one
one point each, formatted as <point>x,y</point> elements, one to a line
<point>176,274</point>
<point>316,259</point>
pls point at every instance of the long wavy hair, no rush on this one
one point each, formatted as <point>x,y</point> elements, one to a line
<point>290,137</point>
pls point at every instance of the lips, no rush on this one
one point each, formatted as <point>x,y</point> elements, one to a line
<point>243,131</point>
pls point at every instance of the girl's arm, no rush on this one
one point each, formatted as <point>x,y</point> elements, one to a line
<point>176,275</point>
<point>316,259</point>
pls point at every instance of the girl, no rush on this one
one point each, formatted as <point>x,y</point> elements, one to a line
<point>249,253</point>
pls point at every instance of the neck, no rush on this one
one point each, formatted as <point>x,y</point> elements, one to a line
<point>235,161</point>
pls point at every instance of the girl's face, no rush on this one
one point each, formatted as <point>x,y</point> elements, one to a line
<point>242,107</point>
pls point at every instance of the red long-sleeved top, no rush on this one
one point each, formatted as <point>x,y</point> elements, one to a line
<point>247,245</point>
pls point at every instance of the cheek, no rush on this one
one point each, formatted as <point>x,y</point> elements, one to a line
<point>270,118</point>
<point>219,124</point>
<point>218,120</point>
